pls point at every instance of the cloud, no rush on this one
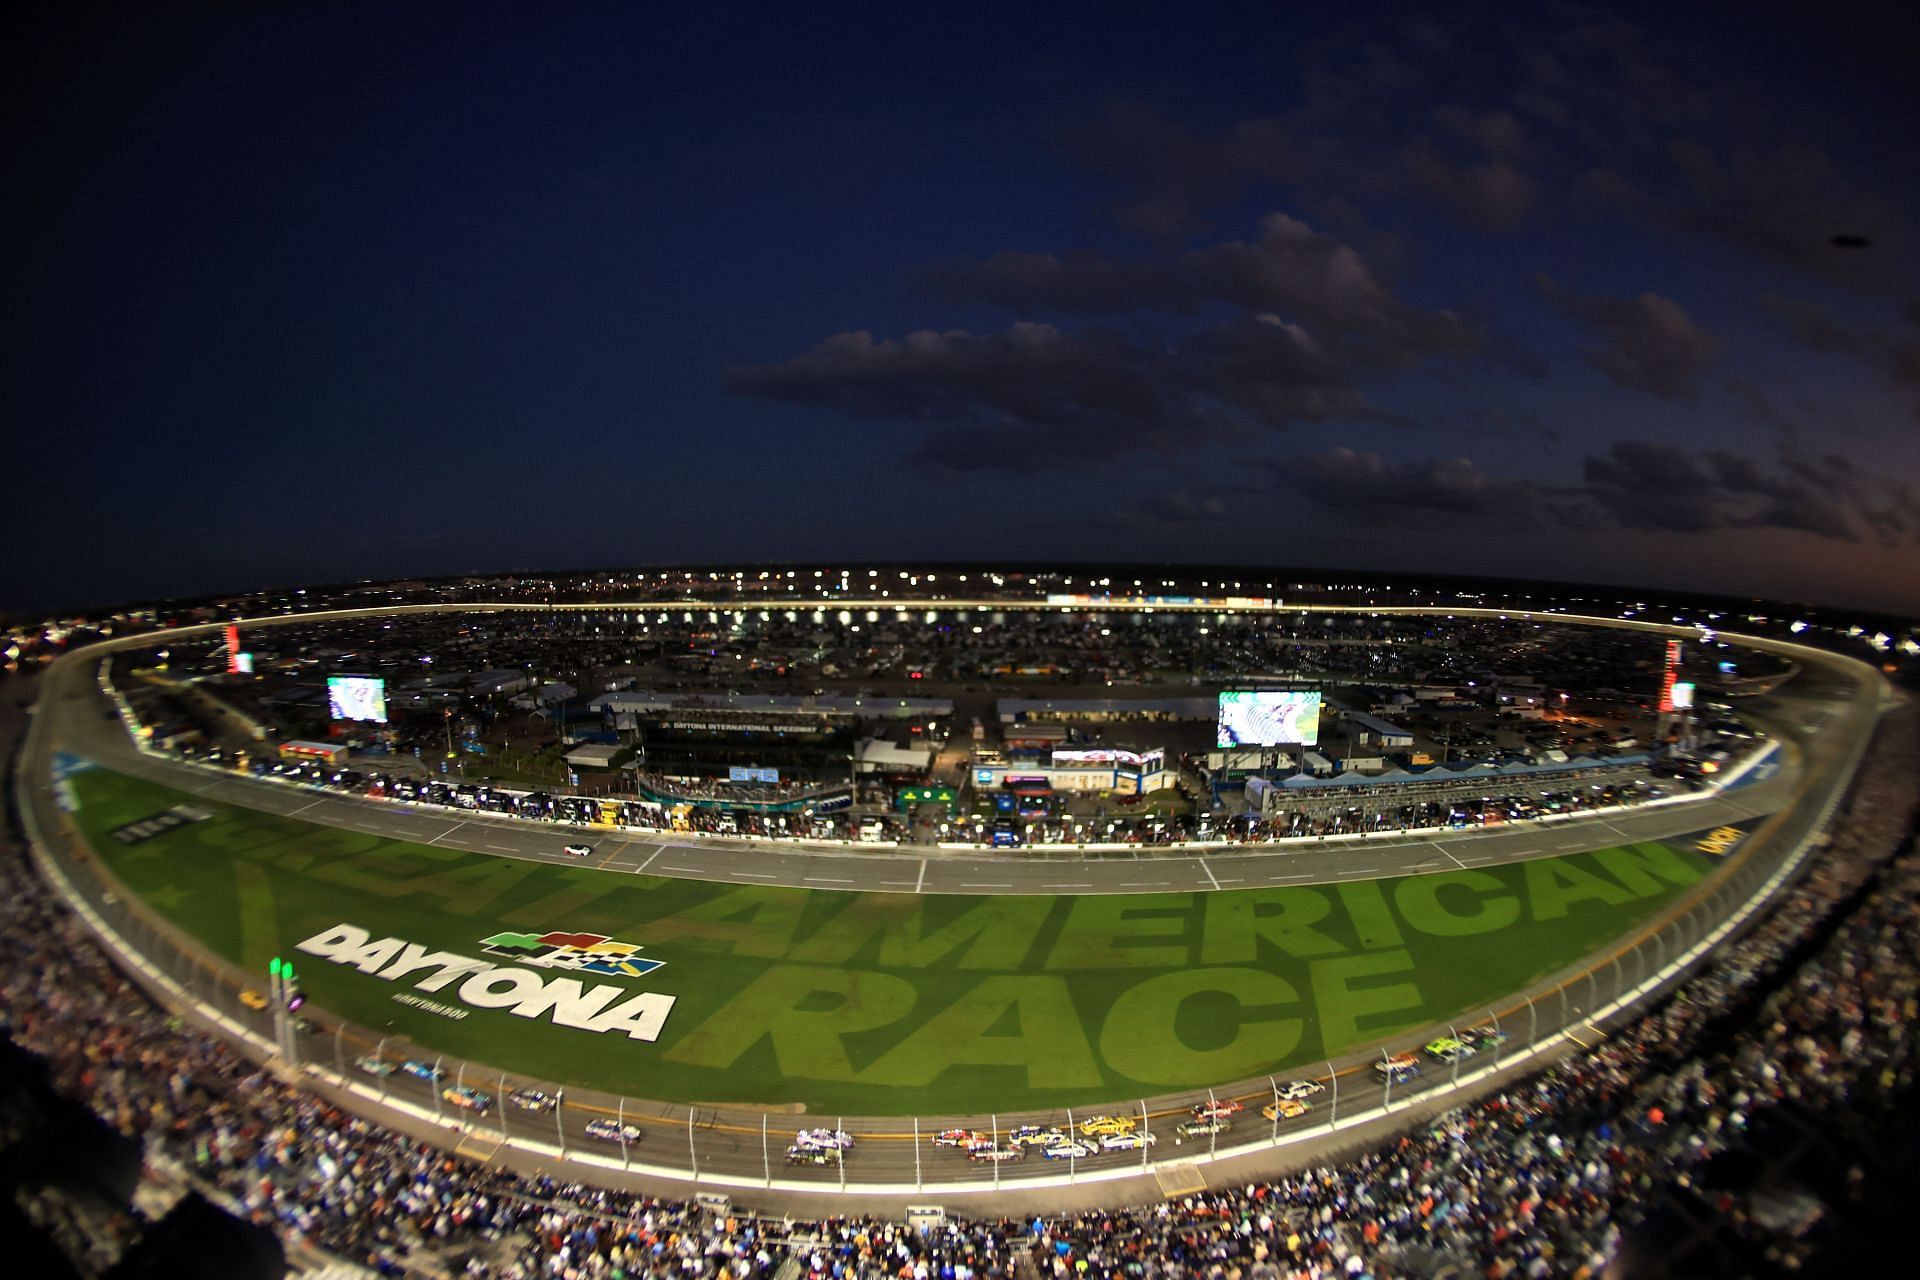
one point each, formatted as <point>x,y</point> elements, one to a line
<point>1494,196</point>
<point>1895,351</point>
<point>1632,485</point>
<point>1648,343</point>
<point>1034,396</point>
<point>1571,101</point>
<point>1290,270</point>
<point>1371,490</point>
<point>1177,177</point>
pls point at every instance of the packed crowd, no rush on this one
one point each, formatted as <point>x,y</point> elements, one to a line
<point>1538,1180</point>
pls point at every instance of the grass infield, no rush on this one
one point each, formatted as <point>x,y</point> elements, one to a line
<point>878,1003</point>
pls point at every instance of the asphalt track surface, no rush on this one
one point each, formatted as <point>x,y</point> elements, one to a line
<point>1821,715</point>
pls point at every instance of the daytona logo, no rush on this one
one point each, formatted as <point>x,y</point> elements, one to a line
<point>566,1001</point>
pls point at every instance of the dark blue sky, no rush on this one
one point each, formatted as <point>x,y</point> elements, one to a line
<point>298,294</point>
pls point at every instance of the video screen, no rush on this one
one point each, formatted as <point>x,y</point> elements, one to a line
<point>357,698</point>
<point>1267,718</point>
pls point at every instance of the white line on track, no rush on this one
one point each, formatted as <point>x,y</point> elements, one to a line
<point>811,879</point>
<point>1209,870</point>
<point>499,848</point>
<point>1456,862</point>
<point>1302,876</point>
<point>1067,886</point>
<point>923,876</point>
<point>649,862</point>
<point>303,808</point>
<point>685,871</point>
<point>444,834</point>
<point>986,886</point>
<point>1145,884</point>
<point>1232,880</point>
<point>754,875</point>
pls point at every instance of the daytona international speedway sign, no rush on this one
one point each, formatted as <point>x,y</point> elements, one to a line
<point>485,984</point>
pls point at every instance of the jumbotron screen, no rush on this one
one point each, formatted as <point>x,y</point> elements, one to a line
<point>357,698</point>
<point>1268,717</point>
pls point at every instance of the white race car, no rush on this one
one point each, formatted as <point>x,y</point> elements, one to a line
<point>578,850</point>
<point>824,1139</point>
<point>1127,1141</point>
<point>612,1131</point>
<point>1296,1090</point>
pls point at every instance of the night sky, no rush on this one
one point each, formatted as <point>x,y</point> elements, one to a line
<point>300,293</point>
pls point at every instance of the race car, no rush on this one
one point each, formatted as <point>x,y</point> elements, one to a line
<point>1449,1049</point>
<point>252,999</point>
<point>429,1071</point>
<point>1202,1126</point>
<point>1097,1126</point>
<point>1486,1038</point>
<point>1127,1141</point>
<point>994,1154</point>
<point>1071,1149</point>
<point>1401,1066</point>
<point>960,1138</point>
<point>824,1139</point>
<point>374,1066</point>
<point>1300,1089</point>
<point>1032,1135</point>
<point>532,1100</point>
<point>798,1154</point>
<point>578,850</point>
<point>467,1098</point>
<point>612,1130</point>
<point>1218,1109</point>
<point>1284,1109</point>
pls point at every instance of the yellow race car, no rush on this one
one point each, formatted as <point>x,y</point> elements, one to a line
<point>1100,1126</point>
<point>1284,1109</point>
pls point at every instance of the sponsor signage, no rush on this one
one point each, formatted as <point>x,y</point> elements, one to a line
<point>517,988</point>
<point>746,773</point>
<point>1721,841</point>
<point>159,824</point>
<point>1668,675</point>
<point>1146,761</point>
